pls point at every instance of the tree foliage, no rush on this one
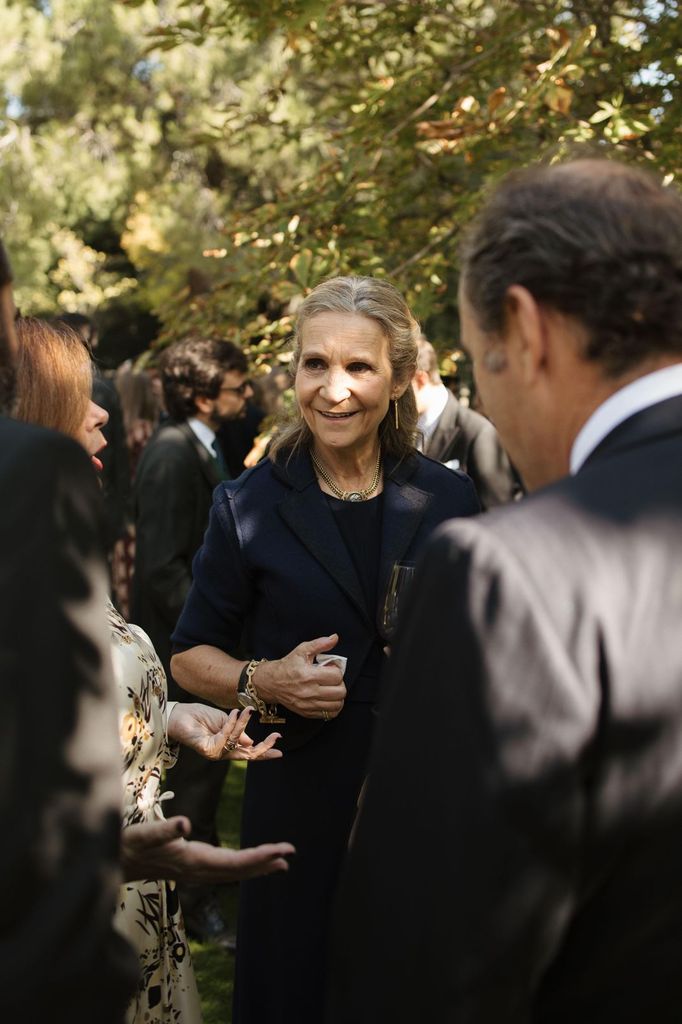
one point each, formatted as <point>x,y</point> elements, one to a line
<point>214,160</point>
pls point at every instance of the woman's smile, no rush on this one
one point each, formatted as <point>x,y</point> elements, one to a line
<point>335,415</point>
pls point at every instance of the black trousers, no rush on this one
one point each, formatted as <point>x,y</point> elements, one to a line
<point>197,785</point>
<point>308,798</point>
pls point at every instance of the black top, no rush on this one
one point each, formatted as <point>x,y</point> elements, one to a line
<point>359,524</point>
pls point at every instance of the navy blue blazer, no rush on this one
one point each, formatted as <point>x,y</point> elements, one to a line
<point>274,571</point>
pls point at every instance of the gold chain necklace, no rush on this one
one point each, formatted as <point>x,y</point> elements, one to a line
<point>348,495</point>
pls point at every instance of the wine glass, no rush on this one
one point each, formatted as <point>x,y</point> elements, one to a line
<point>402,575</point>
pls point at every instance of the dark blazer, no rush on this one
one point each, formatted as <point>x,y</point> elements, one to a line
<point>172,499</point>
<point>527,869</point>
<point>469,439</point>
<point>273,560</point>
<point>60,780</point>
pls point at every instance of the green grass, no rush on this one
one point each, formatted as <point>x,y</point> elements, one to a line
<point>214,967</point>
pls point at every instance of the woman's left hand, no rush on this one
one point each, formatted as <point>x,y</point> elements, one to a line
<point>217,735</point>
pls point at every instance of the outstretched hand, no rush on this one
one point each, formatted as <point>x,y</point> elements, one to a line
<point>217,735</point>
<point>160,849</point>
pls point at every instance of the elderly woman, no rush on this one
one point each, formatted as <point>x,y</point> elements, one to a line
<point>54,381</point>
<point>295,564</point>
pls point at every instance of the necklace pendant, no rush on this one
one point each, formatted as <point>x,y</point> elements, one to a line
<point>347,495</point>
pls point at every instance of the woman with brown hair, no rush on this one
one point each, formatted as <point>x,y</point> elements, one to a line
<point>295,565</point>
<point>54,381</point>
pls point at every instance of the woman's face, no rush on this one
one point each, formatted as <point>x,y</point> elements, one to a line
<point>344,381</point>
<point>90,432</point>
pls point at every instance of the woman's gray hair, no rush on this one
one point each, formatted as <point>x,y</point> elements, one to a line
<point>382,302</point>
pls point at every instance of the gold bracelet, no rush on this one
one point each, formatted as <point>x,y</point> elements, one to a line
<point>268,714</point>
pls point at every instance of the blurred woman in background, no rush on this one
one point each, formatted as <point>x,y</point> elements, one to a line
<point>141,409</point>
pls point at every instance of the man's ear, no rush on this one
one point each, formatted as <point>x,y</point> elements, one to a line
<point>526,333</point>
<point>420,378</point>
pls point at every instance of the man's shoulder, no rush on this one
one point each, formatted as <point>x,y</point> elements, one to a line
<point>170,432</point>
<point>443,482</point>
<point>551,531</point>
<point>471,422</point>
<point>170,441</point>
<point>36,455</point>
<point>50,482</point>
<point>428,472</point>
<point>14,434</point>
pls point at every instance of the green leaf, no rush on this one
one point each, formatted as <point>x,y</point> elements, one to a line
<point>601,115</point>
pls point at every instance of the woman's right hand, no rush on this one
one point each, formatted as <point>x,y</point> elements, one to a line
<point>160,849</point>
<point>297,683</point>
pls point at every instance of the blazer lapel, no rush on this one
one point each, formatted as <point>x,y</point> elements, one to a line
<point>404,508</point>
<point>306,512</point>
<point>209,466</point>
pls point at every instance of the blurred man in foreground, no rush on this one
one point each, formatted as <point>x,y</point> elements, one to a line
<point>60,783</point>
<point>527,868</point>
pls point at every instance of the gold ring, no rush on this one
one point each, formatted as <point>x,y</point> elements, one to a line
<point>325,715</point>
<point>230,745</point>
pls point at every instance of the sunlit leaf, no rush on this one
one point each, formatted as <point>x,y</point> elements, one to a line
<point>496,98</point>
<point>559,99</point>
<point>300,264</point>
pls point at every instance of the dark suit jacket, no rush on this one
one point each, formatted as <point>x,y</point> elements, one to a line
<point>172,498</point>
<point>60,760</point>
<point>527,868</point>
<point>471,440</point>
<point>274,561</point>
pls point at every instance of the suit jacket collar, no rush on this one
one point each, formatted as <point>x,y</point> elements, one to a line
<point>657,421</point>
<point>306,512</point>
<point>209,466</point>
<point>447,429</point>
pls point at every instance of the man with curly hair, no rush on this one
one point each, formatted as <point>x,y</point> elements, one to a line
<point>204,385</point>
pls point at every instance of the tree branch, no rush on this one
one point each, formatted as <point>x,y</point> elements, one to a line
<point>424,251</point>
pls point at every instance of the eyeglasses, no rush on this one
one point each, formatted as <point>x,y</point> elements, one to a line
<point>241,389</point>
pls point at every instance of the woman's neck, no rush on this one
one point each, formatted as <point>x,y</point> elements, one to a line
<point>349,467</point>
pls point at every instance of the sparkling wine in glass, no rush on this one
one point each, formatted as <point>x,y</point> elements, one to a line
<point>402,575</point>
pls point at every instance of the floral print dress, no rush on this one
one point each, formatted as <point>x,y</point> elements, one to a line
<point>148,912</point>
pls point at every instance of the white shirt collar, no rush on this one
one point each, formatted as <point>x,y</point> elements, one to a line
<point>639,394</point>
<point>203,433</point>
<point>429,418</point>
